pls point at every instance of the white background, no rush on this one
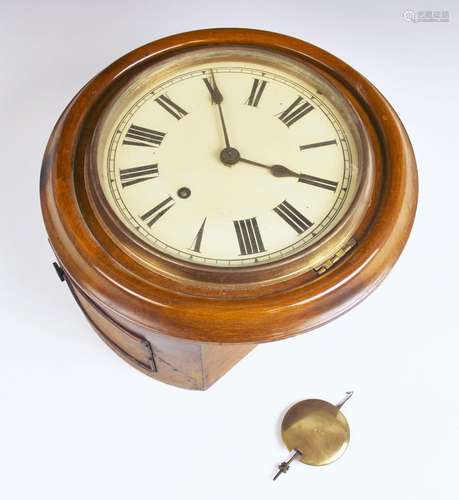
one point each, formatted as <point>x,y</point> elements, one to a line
<point>77,423</point>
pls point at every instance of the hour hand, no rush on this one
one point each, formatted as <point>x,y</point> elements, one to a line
<point>281,171</point>
<point>276,170</point>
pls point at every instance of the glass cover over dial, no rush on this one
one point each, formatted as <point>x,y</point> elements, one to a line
<point>230,157</point>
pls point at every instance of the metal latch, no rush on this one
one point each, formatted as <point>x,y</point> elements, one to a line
<point>325,266</point>
<point>59,271</point>
<point>151,357</point>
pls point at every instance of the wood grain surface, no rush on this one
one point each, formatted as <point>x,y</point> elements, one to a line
<point>199,306</point>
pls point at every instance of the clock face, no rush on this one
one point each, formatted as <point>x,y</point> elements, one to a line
<point>229,158</point>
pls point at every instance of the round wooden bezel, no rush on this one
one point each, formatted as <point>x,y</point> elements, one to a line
<point>200,303</point>
<point>206,280</point>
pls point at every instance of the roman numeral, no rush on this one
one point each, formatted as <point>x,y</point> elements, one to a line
<point>171,107</point>
<point>293,217</point>
<point>215,94</point>
<point>209,88</point>
<point>295,111</point>
<point>157,212</point>
<point>248,236</point>
<point>196,245</point>
<point>130,176</point>
<point>256,92</point>
<point>317,181</point>
<point>141,136</point>
<point>317,145</point>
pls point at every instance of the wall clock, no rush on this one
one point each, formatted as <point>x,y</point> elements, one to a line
<point>222,188</point>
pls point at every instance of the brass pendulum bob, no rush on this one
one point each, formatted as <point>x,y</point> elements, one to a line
<point>316,431</point>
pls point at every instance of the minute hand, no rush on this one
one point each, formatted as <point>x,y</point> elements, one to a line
<point>217,97</point>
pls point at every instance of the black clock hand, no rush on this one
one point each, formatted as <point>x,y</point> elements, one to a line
<point>276,170</point>
<point>217,98</point>
<point>231,156</point>
<point>281,171</point>
<point>215,93</point>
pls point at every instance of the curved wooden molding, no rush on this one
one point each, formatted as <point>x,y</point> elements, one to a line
<point>161,298</point>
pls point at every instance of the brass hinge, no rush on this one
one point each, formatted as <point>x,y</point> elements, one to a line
<point>325,266</point>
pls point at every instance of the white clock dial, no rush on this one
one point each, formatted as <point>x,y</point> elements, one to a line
<point>229,162</point>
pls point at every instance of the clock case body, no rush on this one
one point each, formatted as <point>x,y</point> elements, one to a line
<point>188,325</point>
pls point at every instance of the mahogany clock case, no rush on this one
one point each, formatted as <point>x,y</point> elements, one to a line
<point>150,295</point>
